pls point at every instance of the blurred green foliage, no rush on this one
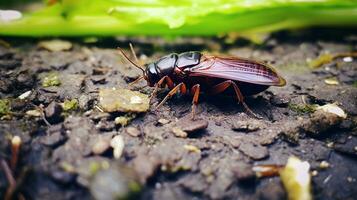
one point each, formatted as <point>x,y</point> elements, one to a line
<point>179,17</point>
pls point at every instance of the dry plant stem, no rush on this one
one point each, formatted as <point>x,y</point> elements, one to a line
<point>133,52</point>
<point>267,170</point>
<point>348,54</point>
<point>10,178</point>
<point>15,148</point>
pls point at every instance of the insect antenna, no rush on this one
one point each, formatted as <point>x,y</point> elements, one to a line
<point>128,59</point>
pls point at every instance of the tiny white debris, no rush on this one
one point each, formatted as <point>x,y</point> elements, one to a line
<point>25,95</point>
<point>347,59</point>
<point>136,100</point>
<point>334,109</point>
<point>118,145</point>
<point>10,15</point>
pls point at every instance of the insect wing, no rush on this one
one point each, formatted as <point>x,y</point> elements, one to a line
<point>237,69</point>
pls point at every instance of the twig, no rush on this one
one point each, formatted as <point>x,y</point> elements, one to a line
<point>15,148</point>
<point>10,178</point>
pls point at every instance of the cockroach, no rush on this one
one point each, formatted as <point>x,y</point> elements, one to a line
<point>193,72</point>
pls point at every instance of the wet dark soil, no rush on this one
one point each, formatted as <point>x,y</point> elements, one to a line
<point>66,154</point>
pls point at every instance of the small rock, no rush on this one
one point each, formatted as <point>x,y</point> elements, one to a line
<point>188,125</point>
<point>254,151</point>
<point>179,132</point>
<point>132,131</point>
<point>163,121</point>
<point>319,122</point>
<point>145,167</point>
<point>280,100</point>
<point>324,164</point>
<point>53,111</point>
<point>349,148</point>
<point>5,52</point>
<point>85,101</point>
<point>114,183</point>
<point>243,171</point>
<point>101,145</point>
<point>63,177</point>
<point>247,126</point>
<point>34,113</point>
<point>55,135</point>
<point>123,100</point>
<point>98,79</point>
<point>55,45</point>
<point>105,125</point>
<point>118,145</point>
<point>123,120</point>
<point>192,148</point>
<point>272,191</point>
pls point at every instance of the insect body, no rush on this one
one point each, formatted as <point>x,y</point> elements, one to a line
<point>193,72</point>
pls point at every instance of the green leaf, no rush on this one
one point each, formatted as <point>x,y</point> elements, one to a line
<point>184,17</point>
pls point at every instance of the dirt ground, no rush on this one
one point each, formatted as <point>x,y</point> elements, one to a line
<point>65,154</point>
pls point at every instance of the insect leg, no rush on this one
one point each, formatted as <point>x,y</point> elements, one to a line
<point>164,80</point>
<point>195,90</point>
<point>224,85</point>
<point>136,80</point>
<point>180,87</point>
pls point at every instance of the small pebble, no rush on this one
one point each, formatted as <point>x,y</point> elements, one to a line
<point>243,171</point>
<point>132,131</point>
<point>324,165</point>
<point>118,145</point>
<point>192,148</point>
<point>123,100</point>
<point>246,126</point>
<point>163,121</point>
<point>280,100</point>
<point>179,132</point>
<point>53,110</point>
<point>314,173</point>
<point>101,146</point>
<point>33,113</point>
